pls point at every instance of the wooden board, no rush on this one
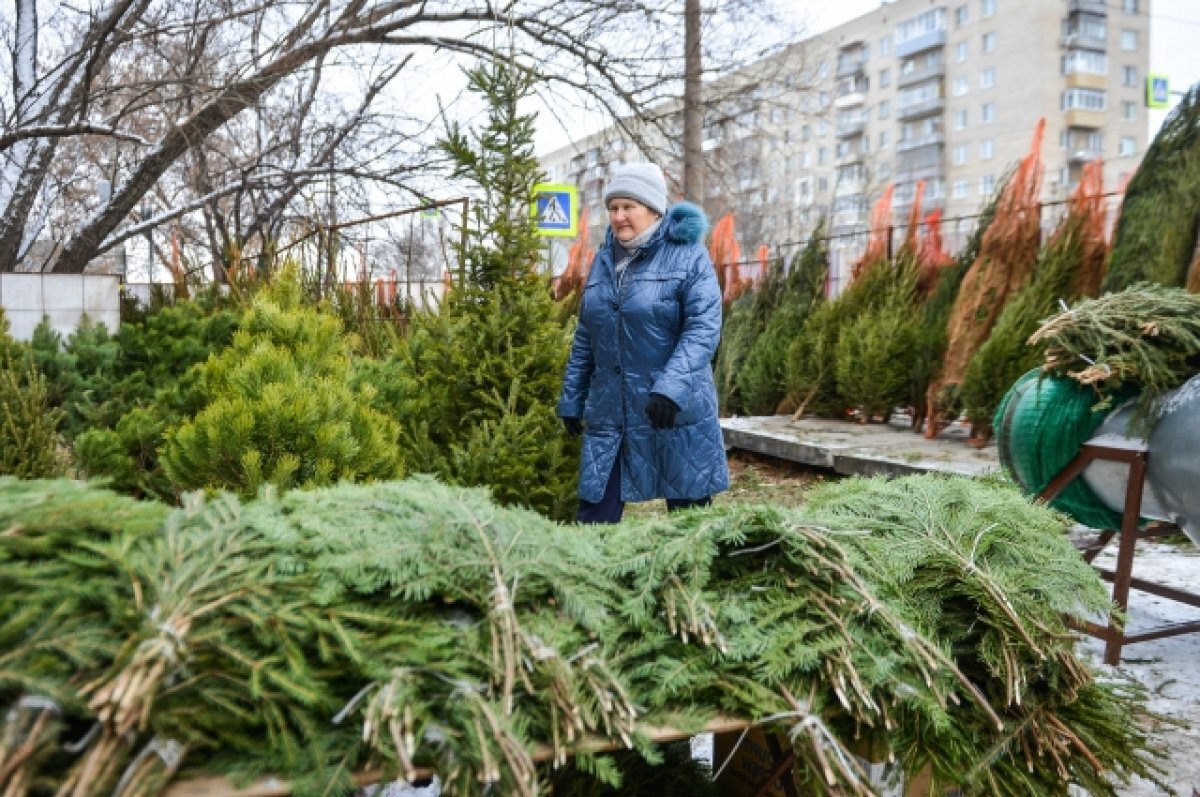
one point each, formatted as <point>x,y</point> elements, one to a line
<point>275,787</point>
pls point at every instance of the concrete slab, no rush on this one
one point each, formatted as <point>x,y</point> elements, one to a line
<point>854,449</point>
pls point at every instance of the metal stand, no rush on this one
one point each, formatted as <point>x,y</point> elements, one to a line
<point>1136,456</point>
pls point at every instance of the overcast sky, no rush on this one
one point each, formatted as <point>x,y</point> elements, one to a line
<point>1174,33</point>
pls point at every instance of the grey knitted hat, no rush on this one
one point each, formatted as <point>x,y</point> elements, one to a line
<point>643,182</point>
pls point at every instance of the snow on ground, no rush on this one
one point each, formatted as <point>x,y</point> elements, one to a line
<point>1169,668</point>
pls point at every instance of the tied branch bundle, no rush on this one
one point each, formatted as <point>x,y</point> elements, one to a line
<point>409,625</point>
<point>1143,340</point>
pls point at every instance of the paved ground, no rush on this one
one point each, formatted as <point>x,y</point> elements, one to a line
<point>854,449</point>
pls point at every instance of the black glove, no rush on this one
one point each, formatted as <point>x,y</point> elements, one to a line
<point>662,411</point>
<point>574,426</point>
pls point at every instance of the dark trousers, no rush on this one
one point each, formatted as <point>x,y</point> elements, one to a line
<point>609,508</point>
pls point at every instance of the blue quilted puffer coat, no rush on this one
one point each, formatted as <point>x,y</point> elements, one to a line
<point>658,333</point>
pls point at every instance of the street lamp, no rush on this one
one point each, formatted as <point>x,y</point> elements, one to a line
<point>149,243</point>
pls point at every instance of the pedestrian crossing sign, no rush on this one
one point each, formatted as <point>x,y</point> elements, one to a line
<point>555,210</point>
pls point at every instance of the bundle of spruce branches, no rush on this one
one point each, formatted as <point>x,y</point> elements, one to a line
<point>1144,339</point>
<point>408,624</point>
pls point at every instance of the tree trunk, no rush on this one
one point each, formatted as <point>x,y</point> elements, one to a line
<point>693,106</point>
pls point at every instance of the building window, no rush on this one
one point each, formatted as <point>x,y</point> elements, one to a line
<point>1086,99</point>
<point>1129,76</point>
<point>987,184</point>
<point>806,160</point>
<point>960,52</point>
<point>988,112</point>
<point>885,78</point>
<point>987,149</point>
<point>885,45</point>
<point>987,7</point>
<point>1129,111</point>
<point>1130,6</point>
<point>822,184</point>
<point>961,15</point>
<point>960,119</point>
<point>822,156</point>
<point>1129,40</point>
<point>822,128</point>
<point>987,78</point>
<point>960,189</point>
<point>885,109</point>
<point>961,85</point>
<point>1127,146</point>
<point>989,42</point>
<point>1085,61</point>
<point>883,139</point>
<point>959,156</point>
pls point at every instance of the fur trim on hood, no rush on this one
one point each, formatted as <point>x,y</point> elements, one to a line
<point>685,223</point>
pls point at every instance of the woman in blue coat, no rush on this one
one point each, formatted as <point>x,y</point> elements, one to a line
<point>639,383</point>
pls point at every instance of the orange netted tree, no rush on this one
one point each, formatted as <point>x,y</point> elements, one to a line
<point>1005,262</point>
<point>579,264</point>
<point>878,236</point>
<point>726,256</point>
<point>1070,266</point>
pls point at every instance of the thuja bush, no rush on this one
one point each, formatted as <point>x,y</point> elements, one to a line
<point>277,407</point>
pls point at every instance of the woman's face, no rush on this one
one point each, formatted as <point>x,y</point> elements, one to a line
<point>629,218</point>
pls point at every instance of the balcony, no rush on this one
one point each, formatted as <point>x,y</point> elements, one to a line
<point>850,99</point>
<point>918,44</point>
<point>851,157</point>
<point>1086,80</point>
<point>849,67</point>
<point>919,171</point>
<point>1081,117</point>
<point>1083,155</point>
<point>916,110</point>
<point>1083,41</point>
<point>921,73</point>
<point>1097,7</point>
<point>851,128</point>
<point>927,140</point>
<point>850,186</point>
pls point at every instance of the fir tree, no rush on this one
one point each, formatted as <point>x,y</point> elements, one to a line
<point>745,320</point>
<point>763,376</point>
<point>475,382</point>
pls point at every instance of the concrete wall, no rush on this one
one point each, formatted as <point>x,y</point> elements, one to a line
<point>61,298</point>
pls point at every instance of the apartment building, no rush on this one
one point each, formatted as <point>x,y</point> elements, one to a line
<point>947,93</point>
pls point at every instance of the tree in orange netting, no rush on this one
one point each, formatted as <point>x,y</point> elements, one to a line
<point>579,264</point>
<point>877,242</point>
<point>1006,259</point>
<point>912,230</point>
<point>725,253</point>
<point>1070,266</point>
<point>932,257</point>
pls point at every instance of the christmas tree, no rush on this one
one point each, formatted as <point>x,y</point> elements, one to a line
<point>474,382</point>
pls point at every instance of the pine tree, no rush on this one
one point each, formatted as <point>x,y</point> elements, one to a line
<point>474,383</point>
<point>277,407</point>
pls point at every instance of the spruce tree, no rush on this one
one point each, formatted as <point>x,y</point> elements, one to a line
<point>474,383</point>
